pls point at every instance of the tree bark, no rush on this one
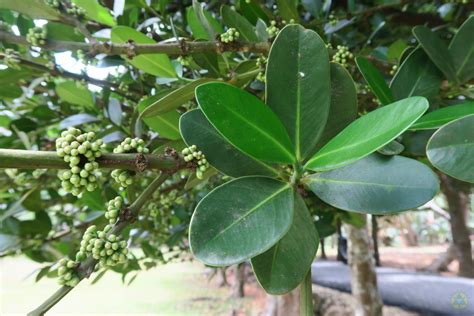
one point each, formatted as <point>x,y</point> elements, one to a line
<point>375,239</point>
<point>363,276</point>
<point>239,281</point>
<point>221,277</point>
<point>323,250</point>
<point>457,196</point>
<point>442,262</point>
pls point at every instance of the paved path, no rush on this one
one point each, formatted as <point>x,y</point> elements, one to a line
<point>428,294</point>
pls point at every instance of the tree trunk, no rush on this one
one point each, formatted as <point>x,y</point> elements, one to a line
<point>239,281</point>
<point>375,239</point>
<point>457,196</point>
<point>363,276</point>
<point>283,305</point>
<point>323,250</point>
<point>442,262</point>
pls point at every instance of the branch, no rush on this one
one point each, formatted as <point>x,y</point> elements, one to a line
<point>132,49</point>
<point>30,159</point>
<point>88,266</point>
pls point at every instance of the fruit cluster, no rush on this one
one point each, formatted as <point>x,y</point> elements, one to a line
<point>261,62</point>
<point>53,3</point>
<point>67,272</point>
<point>75,10</point>
<point>184,60</point>
<point>394,69</point>
<point>80,151</point>
<point>332,19</point>
<point>342,56</point>
<point>113,209</point>
<point>272,30</point>
<point>192,154</point>
<point>11,59</point>
<point>36,36</point>
<point>103,246</point>
<point>229,36</point>
<point>123,177</point>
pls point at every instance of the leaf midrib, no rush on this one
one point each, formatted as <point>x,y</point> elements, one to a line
<point>367,183</point>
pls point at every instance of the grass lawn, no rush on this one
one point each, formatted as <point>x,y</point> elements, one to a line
<point>171,290</point>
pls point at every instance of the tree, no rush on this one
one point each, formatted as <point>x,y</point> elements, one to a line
<point>240,127</point>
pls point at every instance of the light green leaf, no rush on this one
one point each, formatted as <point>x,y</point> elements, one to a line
<point>240,219</point>
<point>235,20</point>
<point>167,124</point>
<point>201,22</point>
<point>174,99</point>
<point>33,8</point>
<point>368,133</point>
<point>196,130</point>
<point>96,12</point>
<point>283,267</point>
<point>436,50</point>
<point>235,112</point>
<point>75,93</point>
<point>154,64</point>
<point>298,86</point>
<point>451,149</point>
<point>417,76</point>
<point>443,116</point>
<point>376,185</point>
<point>462,50</point>
<point>375,80</point>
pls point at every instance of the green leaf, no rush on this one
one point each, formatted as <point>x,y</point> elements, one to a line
<point>375,80</point>
<point>443,116</point>
<point>96,12</point>
<point>75,93</point>
<point>343,108</point>
<point>174,99</point>
<point>462,51</point>
<point>94,200</point>
<point>298,86</point>
<point>234,113</point>
<point>235,20</point>
<point>283,267</point>
<point>196,130</point>
<point>395,50</point>
<point>62,32</point>
<point>368,133</point>
<point>451,149</point>
<point>253,10</point>
<point>436,50</point>
<point>240,219</point>
<point>201,22</point>
<point>392,148</point>
<point>376,185</point>
<point>417,76</point>
<point>7,242</point>
<point>167,124</point>
<point>154,64</point>
<point>287,9</point>
<point>32,8</point>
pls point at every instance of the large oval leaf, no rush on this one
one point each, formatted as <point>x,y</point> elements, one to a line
<point>368,133</point>
<point>343,108</point>
<point>451,149</point>
<point>443,116</point>
<point>417,76</point>
<point>245,122</point>
<point>240,219</point>
<point>461,49</point>
<point>298,86</point>
<point>154,64</point>
<point>196,130</point>
<point>375,80</point>
<point>376,185</point>
<point>284,266</point>
<point>436,50</point>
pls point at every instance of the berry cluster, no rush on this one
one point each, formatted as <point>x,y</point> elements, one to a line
<point>36,36</point>
<point>184,60</point>
<point>229,36</point>
<point>394,69</point>
<point>123,177</point>
<point>108,248</point>
<point>261,62</point>
<point>192,154</point>
<point>113,209</point>
<point>332,19</point>
<point>53,3</point>
<point>342,56</point>
<point>11,59</point>
<point>272,30</point>
<point>75,10</point>
<point>67,272</point>
<point>80,151</point>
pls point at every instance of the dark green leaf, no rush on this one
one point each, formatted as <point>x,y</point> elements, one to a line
<point>283,267</point>
<point>298,86</point>
<point>376,185</point>
<point>392,148</point>
<point>33,8</point>
<point>443,116</point>
<point>234,113</point>
<point>287,9</point>
<point>196,130</point>
<point>451,149</point>
<point>235,20</point>
<point>254,10</point>
<point>368,133</point>
<point>462,51</point>
<point>201,22</point>
<point>436,50</point>
<point>240,219</point>
<point>375,80</point>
